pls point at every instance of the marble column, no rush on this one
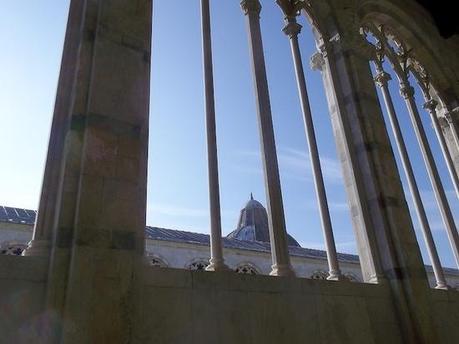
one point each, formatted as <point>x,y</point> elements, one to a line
<point>381,80</point>
<point>362,221</point>
<point>451,118</point>
<point>407,91</point>
<point>386,241</point>
<point>278,234</point>
<point>431,106</point>
<point>97,251</point>
<point>40,244</point>
<point>216,262</point>
<point>292,29</point>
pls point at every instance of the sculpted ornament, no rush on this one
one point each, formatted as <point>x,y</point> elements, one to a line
<point>251,6</point>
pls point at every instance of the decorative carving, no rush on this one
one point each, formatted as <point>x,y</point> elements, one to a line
<point>406,90</point>
<point>430,105</point>
<point>444,123</point>
<point>319,274</point>
<point>12,249</point>
<point>246,269</point>
<point>382,78</point>
<point>251,6</point>
<point>291,28</point>
<point>198,265</point>
<point>317,61</point>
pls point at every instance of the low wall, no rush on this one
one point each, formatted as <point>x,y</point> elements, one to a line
<point>22,287</point>
<point>195,307</point>
<point>179,306</point>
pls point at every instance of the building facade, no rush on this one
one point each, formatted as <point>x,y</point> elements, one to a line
<point>246,249</point>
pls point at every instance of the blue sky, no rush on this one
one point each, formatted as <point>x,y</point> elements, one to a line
<point>32,35</point>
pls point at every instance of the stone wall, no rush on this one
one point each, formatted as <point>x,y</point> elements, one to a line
<point>194,307</point>
<point>22,289</point>
<point>179,306</point>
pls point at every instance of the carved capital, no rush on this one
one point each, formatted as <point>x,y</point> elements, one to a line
<point>406,90</point>
<point>382,78</point>
<point>291,28</point>
<point>251,7</point>
<point>317,61</point>
<point>430,105</point>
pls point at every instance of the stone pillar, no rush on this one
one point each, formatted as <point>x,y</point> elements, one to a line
<point>277,231</point>
<point>216,251</point>
<point>100,223</point>
<point>52,178</point>
<point>381,80</point>
<point>386,240</point>
<point>431,106</point>
<point>407,92</point>
<point>292,29</point>
<point>361,217</point>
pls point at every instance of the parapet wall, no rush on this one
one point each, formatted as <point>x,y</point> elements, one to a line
<point>180,306</point>
<point>195,307</point>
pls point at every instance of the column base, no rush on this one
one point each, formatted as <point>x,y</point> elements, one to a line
<point>443,287</point>
<point>217,265</point>
<point>40,248</point>
<point>336,276</point>
<point>282,270</point>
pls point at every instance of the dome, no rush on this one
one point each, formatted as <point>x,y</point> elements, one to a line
<point>253,224</point>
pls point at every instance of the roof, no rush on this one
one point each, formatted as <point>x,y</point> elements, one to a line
<point>26,216</point>
<point>164,234</point>
<point>17,215</point>
<point>253,224</point>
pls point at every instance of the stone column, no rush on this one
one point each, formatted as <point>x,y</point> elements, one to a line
<point>292,29</point>
<point>277,231</point>
<point>431,105</point>
<point>361,217</point>
<point>407,91</point>
<point>448,120</point>
<point>100,222</point>
<point>381,80</point>
<point>386,240</point>
<point>216,251</point>
<point>40,244</point>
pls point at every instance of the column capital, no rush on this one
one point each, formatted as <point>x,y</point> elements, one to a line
<point>291,28</point>
<point>382,78</point>
<point>251,7</point>
<point>317,61</point>
<point>430,105</point>
<point>406,90</point>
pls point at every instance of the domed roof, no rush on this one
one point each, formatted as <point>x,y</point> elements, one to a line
<point>253,224</point>
<point>252,203</point>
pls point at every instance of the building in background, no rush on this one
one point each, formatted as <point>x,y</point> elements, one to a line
<point>246,249</point>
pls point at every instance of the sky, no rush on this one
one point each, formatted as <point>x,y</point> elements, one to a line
<point>32,34</point>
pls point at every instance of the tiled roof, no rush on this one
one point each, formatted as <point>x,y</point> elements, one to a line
<point>26,216</point>
<point>17,215</point>
<point>165,234</point>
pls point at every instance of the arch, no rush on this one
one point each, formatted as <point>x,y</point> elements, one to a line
<point>247,268</point>
<point>157,260</point>
<point>12,249</point>
<point>415,35</point>
<point>319,275</point>
<point>197,264</point>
